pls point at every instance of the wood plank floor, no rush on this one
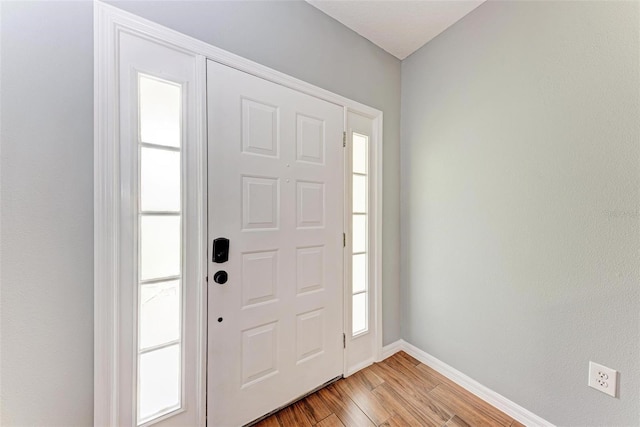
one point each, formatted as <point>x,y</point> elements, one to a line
<point>399,391</point>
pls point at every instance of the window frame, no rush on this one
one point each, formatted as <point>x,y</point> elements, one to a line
<point>364,347</point>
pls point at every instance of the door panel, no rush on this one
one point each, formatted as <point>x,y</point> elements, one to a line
<point>276,192</point>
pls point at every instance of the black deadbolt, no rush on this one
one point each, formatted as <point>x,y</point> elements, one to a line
<point>220,277</point>
<point>220,250</point>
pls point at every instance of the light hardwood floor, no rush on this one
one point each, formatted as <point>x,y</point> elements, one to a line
<point>399,391</point>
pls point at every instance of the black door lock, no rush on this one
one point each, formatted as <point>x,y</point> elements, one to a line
<point>220,250</point>
<point>220,277</point>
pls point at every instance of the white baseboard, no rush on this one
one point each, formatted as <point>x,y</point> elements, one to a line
<point>500,402</point>
<point>391,349</point>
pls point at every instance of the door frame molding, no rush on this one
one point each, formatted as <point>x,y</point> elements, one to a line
<point>109,22</point>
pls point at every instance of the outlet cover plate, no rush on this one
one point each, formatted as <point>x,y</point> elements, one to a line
<point>603,379</point>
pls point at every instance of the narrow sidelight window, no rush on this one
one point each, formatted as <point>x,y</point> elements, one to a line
<point>160,301</point>
<point>360,235</point>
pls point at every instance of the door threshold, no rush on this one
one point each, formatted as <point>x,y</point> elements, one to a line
<point>297,399</point>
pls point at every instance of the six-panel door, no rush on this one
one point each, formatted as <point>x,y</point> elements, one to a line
<point>276,192</point>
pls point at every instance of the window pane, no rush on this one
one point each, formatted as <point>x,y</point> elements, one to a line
<point>159,382</point>
<point>160,246</point>
<point>359,313</point>
<point>359,270</point>
<point>359,233</point>
<point>359,193</point>
<point>159,313</point>
<point>159,180</point>
<point>160,103</point>
<point>359,153</point>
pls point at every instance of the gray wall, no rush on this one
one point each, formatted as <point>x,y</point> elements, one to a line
<point>46,171</point>
<point>520,178</point>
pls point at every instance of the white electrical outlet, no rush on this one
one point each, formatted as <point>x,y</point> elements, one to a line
<point>603,379</point>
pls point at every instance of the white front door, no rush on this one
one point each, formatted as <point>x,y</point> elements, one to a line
<point>276,191</point>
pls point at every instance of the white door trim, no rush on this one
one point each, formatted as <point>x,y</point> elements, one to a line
<point>109,24</point>
<point>110,21</point>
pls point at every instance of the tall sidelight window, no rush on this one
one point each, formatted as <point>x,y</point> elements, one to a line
<point>160,260</point>
<point>360,236</point>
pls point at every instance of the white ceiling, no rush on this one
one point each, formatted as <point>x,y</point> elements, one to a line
<point>398,26</point>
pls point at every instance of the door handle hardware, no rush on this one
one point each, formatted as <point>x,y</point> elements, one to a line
<point>220,277</point>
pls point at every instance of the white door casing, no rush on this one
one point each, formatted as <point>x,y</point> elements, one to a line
<point>276,192</point>
<point>114,332</point>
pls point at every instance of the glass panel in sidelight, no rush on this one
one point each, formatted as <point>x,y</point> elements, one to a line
<point>359,194</point>
<point>160,111</point>
<point>359,233</point>
<point>359,270</point>
<point>160,247</point>
<point>159,313</point>
<point>359,313</point>
<point>360,155</point>
<point>159,387</point>
<point>159,180</point>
